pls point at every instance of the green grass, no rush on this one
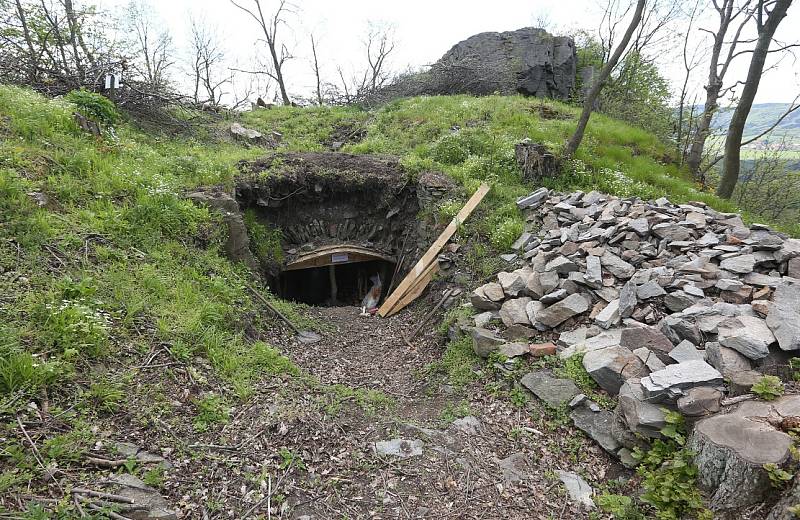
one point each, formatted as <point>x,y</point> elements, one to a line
<point>118,250</point>
<point>614,158</point>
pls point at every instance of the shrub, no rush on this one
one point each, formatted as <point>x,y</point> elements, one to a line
<point>22,371</point>
<point>768,388</point>
<point>93,106</point>
<point>76,327</point>
<point>668,476</point>
<point>778,477</point>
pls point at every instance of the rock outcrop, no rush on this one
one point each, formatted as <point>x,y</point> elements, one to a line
<point>527,61</point>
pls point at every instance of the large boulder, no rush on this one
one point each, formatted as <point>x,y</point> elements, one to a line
<point>527,61</point>
<point>732,448</point>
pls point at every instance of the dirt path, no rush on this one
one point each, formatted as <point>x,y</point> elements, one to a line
<point>308,447</point>
<point>497,463</point>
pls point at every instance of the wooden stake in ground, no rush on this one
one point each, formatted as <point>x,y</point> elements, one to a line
<point>430,256</point>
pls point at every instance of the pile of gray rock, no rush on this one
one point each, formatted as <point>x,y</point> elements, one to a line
<point>673,307</point>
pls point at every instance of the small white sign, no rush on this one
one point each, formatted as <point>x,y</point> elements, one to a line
<point>112,81</point>
<point>338,258</point>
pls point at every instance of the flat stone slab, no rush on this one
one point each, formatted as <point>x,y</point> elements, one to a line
<point>748,335</point>
<point>558,313</point>
<point>553,391</point>
<point>680,376</point>
<point>784,314</point>
<point>597,425</point>
<point>155,507</point>
<point>401,448</point>
<point>579,491</point>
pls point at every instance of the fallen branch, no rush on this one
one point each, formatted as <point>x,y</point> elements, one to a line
<point>36,453</point>
<point>427,317</point>
<point>101,494</point>
<point>111,514</point>
<point>106,463</point>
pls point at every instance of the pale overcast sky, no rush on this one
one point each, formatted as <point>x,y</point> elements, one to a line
<point>424,29</point>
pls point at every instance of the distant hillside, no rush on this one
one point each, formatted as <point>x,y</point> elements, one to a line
<point>761,117</point>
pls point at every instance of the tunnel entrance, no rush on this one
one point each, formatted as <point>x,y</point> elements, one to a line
<point>335,275</point>
<point>321,224</point>
<point>334,285</point>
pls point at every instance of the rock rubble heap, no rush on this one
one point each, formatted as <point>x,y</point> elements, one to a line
<point>673,307</point>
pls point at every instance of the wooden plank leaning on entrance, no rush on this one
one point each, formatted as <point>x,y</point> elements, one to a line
<point>413,292</point>
<point>430,255</point>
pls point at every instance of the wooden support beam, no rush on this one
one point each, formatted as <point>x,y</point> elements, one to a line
<point>413,292</point>
<point>430,256</point>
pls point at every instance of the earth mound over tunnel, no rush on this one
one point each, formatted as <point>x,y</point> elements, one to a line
<point>342,220</point>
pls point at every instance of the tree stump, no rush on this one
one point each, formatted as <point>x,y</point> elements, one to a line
<point>535,161</point>
<point>732,448</point>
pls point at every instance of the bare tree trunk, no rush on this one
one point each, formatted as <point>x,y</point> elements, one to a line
<point>594,92</point>
<point>270,30</point>
<point>733,141</point>
<point>72,24</point>
<point>279,74</point>
<point>695,156</point>
<point>34,65</point>
<point>716,75</point>
<point>316,70</point>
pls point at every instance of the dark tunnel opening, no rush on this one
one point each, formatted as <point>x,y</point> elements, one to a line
<point>334,285</point>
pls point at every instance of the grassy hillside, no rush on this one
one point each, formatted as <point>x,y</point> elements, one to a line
<point>116,250</point>
<point>104,264</point>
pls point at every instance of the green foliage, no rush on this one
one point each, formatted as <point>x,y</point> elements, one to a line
<point>76,327</point>
<point>458,362</point>
<point>69,446</point>
<point>290,459</point>
<point>669,476</point>
<point>452,316</point>
<point>371,401</point>
<point>265,242</point>
<point>94,106</point>
<point>106,395</point>
<point>453,411</point>
<point>518,396</point>
<point>211,409</point>
<point>506,232</point>
<point>573,369</point>
<point>621,507</point>
<point>21,371</point>
<point>779,478</point>
<point>768,388</point>
<point>639,94</point>
<point>154,477</point>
